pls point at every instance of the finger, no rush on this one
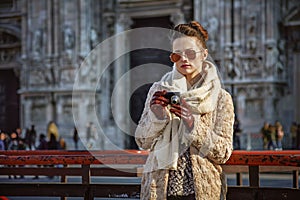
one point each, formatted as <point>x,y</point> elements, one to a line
<point>184,103</point>
<point>161,99</point>
<point>178,114</point>
<point>158,102</point>
<point>160,93</point>
<point>176,106</point>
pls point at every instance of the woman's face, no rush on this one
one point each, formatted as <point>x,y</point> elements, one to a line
<point>189,67</point>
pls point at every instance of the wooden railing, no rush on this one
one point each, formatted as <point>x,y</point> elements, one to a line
<point>128,163</point>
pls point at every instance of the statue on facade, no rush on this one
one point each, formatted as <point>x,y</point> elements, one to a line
<point>273,64</point>
<point>69,38</point>
<point>212,27</point>
<point>37,42</point>
<point>93,38</point>
<point>251,33</point>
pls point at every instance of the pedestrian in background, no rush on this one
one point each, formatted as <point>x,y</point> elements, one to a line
<point>237,134</point>
<point>298,137</point>
<point>75,137</point>
<point>293,132</point>
<point>272,138</point>
<point>266,135</point>
<point>31,137</point>
<point>279,135</point>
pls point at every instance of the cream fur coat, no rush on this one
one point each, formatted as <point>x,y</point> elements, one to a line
<point>211,146</point>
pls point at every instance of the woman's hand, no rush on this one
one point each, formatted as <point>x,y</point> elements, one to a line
<point>158,104</point>
<point>182,110</point>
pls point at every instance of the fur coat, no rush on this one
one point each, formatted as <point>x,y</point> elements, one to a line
<point>211,146</point>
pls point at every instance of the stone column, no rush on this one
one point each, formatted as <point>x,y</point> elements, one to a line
<point>56,27</point>
<point>84,28</point>
<point>197,10</point>
<point>27,104</point>
<point>121,91</point>
<point>106,78</point>
<point>49,28</point>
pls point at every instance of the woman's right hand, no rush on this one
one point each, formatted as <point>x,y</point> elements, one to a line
<point>158,104</point>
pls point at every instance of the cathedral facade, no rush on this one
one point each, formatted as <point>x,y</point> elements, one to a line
<point>70,62</point>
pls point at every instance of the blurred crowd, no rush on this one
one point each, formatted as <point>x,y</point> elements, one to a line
<point>272,135</point>
<point>29,140</point>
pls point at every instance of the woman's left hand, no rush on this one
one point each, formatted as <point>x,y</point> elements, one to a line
<point>182,110</point>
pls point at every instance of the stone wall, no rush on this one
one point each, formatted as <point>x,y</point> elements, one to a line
<point>256,48</point>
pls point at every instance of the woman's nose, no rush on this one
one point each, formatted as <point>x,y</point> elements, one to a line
<point>184,57</point>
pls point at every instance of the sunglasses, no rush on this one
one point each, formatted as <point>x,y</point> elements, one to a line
<point>189,53</point>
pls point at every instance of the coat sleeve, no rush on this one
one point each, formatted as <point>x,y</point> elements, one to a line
<point>149,127</point>
<point>213,132</point>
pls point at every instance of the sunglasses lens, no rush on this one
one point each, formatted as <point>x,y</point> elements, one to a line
<point>190,54</point>
<point>175,57</point>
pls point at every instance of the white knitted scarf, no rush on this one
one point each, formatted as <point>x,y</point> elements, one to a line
<point>201,98</point>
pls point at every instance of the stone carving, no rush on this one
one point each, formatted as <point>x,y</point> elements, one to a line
<point>273,64</point>
<point>212,27</point>
<point>251,33</point>
<point>6,38</point>
<point>88,70</point>
<point>67,75</point>
<point>8,54</point>
<point>37,42</point>
<point>124,21</point>
<point>109,20</point>
<point>108,5</point>
<point>93,38</point>
<point>232,62</point>
<point>69,38</point>
<point>42,76</point>
<point>251,45</point>
<point>37,77</point>
<point>251,66</point>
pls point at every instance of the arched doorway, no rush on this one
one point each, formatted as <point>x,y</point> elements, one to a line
<point>9,81</point>
<point>9,101</point>
<point>149,60</point>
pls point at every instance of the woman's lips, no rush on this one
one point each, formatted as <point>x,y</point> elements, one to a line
<point>185,66</point>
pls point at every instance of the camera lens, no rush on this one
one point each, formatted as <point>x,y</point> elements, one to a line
<point>175,99</point>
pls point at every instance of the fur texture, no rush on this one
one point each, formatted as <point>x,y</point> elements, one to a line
<point>211,146</point>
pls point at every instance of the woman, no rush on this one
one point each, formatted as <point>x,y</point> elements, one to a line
<point>188,140</point>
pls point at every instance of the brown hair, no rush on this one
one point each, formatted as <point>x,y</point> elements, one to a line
<point>193,29</point>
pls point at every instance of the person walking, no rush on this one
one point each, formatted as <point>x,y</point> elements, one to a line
<point>293,131</point>
<point>31,137</point>
<point>75,137</point>
<point>266,135</point>
<point>237,134</point>
<point>272,138</point>
<point>279,135</point>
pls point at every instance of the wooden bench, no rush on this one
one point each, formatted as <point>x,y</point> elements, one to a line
<point>128,164</point>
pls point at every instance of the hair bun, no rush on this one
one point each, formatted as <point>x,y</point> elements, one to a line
<point>195,25</point>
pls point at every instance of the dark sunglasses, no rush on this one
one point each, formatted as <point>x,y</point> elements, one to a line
<point>189,53</point>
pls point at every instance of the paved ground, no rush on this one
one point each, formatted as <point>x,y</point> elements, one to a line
<point>267,180</point>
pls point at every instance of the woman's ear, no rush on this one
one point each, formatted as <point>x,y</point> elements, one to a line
<point>205,54</point>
